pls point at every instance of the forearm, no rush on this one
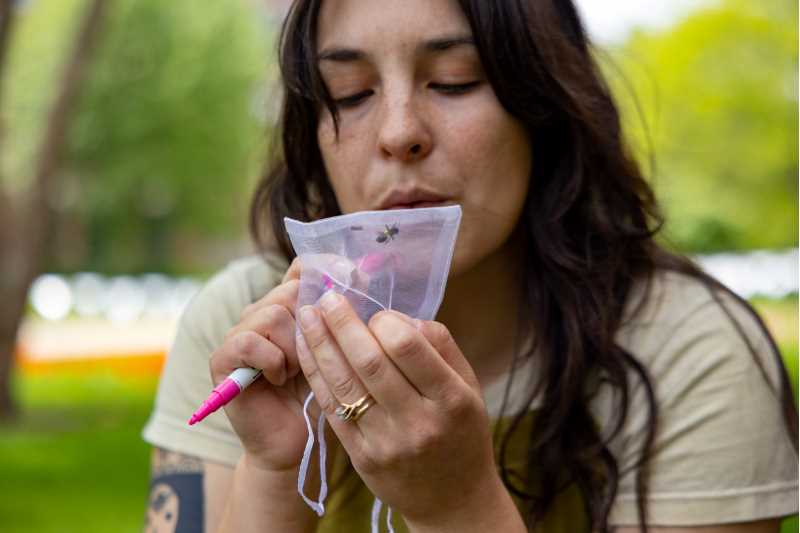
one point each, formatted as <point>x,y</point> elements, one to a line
<point>487,510</point>
<point>265,502</point>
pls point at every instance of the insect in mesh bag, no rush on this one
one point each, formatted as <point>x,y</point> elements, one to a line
<point>397,259</point>
<point>378,260</point>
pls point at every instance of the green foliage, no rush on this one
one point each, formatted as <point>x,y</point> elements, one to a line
<point>718,94</point>
<point>37,50</point>
<point>76,462</point>
<point>168,136</point>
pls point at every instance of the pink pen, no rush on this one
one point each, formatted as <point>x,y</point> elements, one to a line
<point>241,378</point>
<point>231,386</point>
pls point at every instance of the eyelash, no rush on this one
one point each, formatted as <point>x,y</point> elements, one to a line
<point>354,100</point>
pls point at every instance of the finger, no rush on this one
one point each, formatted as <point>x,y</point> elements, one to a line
<point>284,294</point>
<point>349,434</point>
<point>342,380</point>
<point>364,354</point>
<point>248,349</point>
<point>413,355</point>
<point>275,323</point>
<point>293,272</point>
<point>442,341</point>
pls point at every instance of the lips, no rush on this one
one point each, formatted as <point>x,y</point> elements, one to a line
<point>416,204</point>
<point>412,199</point>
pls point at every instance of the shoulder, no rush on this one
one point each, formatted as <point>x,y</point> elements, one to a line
<point>217,306</point>
<point>242,281</point>
<point>677,326</point>
<point>720,435</point>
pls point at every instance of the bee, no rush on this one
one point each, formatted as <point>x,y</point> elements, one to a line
<point>387,234</point>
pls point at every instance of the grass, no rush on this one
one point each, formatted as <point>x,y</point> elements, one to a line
<point>75,461</point>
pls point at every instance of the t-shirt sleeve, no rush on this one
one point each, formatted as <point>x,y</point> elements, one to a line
<point>722,452</point>
<point>185,379</point>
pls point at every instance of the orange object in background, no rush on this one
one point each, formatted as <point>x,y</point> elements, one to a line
<point>133,365</point>
<point>135,349</point>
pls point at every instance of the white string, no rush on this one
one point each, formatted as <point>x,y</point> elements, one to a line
<point>318,507</point>
<point>376,515</point>
<point>349,288</point>
<point>389,519</point>
<point>391,288</point>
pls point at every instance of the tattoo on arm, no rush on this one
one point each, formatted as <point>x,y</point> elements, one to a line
<point>176,494</point>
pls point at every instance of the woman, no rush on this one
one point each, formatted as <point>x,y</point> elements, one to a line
<point>579,377</point>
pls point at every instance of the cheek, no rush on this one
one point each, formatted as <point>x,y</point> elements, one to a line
<point>493,152</point>
<point>495,159</point>
<point>343,160</point>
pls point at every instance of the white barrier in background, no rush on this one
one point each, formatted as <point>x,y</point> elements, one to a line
<point>772,274</point>
<point>118,299</point>
<point>123,299</point>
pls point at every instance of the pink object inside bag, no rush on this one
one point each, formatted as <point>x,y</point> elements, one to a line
<point>396,259</point>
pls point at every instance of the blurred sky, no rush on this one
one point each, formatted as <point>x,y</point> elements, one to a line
<point>611,20</point>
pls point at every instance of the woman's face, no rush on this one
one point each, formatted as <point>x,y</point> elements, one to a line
<point>419,123</point>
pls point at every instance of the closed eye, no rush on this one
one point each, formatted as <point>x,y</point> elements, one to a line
<point>352,100</point>
<point>454,89</point>
<point>445,88</point>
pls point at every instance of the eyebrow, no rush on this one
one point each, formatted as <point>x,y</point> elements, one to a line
<point>439,44</point>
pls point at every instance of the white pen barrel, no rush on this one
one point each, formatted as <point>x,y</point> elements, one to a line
<point>244,376</point>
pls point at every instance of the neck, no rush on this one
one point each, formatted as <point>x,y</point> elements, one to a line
<point>480,308</point>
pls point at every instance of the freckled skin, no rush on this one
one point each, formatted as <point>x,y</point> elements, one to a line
<point>407,133</point>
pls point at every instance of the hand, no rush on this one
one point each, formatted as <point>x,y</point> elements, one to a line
<point>268,415</point>
<point>424,447</point>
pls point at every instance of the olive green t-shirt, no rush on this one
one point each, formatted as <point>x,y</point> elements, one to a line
<point>721,453</point>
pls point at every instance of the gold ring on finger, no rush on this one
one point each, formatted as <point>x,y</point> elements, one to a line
<point>353,411</point>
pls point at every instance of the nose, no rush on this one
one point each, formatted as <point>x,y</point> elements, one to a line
<point>404,134</point>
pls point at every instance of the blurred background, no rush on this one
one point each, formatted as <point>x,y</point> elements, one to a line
<point>132,133</point>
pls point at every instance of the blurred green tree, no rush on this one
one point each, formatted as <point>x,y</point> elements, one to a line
<point>25,214</point>
<point>167,137</point>
<point>718,94</point>
<point>134,159</point>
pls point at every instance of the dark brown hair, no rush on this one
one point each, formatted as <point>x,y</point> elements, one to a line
<point>589,224</point>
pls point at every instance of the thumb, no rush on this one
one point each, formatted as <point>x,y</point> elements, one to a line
<point>294,270</point>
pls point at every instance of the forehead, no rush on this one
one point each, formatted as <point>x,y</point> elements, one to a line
<point>383,25</point>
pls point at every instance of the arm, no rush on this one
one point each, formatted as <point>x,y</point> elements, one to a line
<point>265,501</point>
<point>492,510</point>
<point>177,501</point>
<point>188,495</point>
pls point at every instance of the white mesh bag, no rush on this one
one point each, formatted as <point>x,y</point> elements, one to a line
<point>379,260</point>
<point>397,259</point>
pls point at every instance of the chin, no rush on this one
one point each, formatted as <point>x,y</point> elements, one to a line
<point>495,250</point>
<point>464,260</point>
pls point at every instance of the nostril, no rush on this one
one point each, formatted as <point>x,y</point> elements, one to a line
<point>415,149</point>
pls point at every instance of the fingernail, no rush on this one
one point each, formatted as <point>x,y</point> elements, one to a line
<point>329,301</point>
<point>308,317</point>
<point>417,323</point>
<point>402,316</point>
